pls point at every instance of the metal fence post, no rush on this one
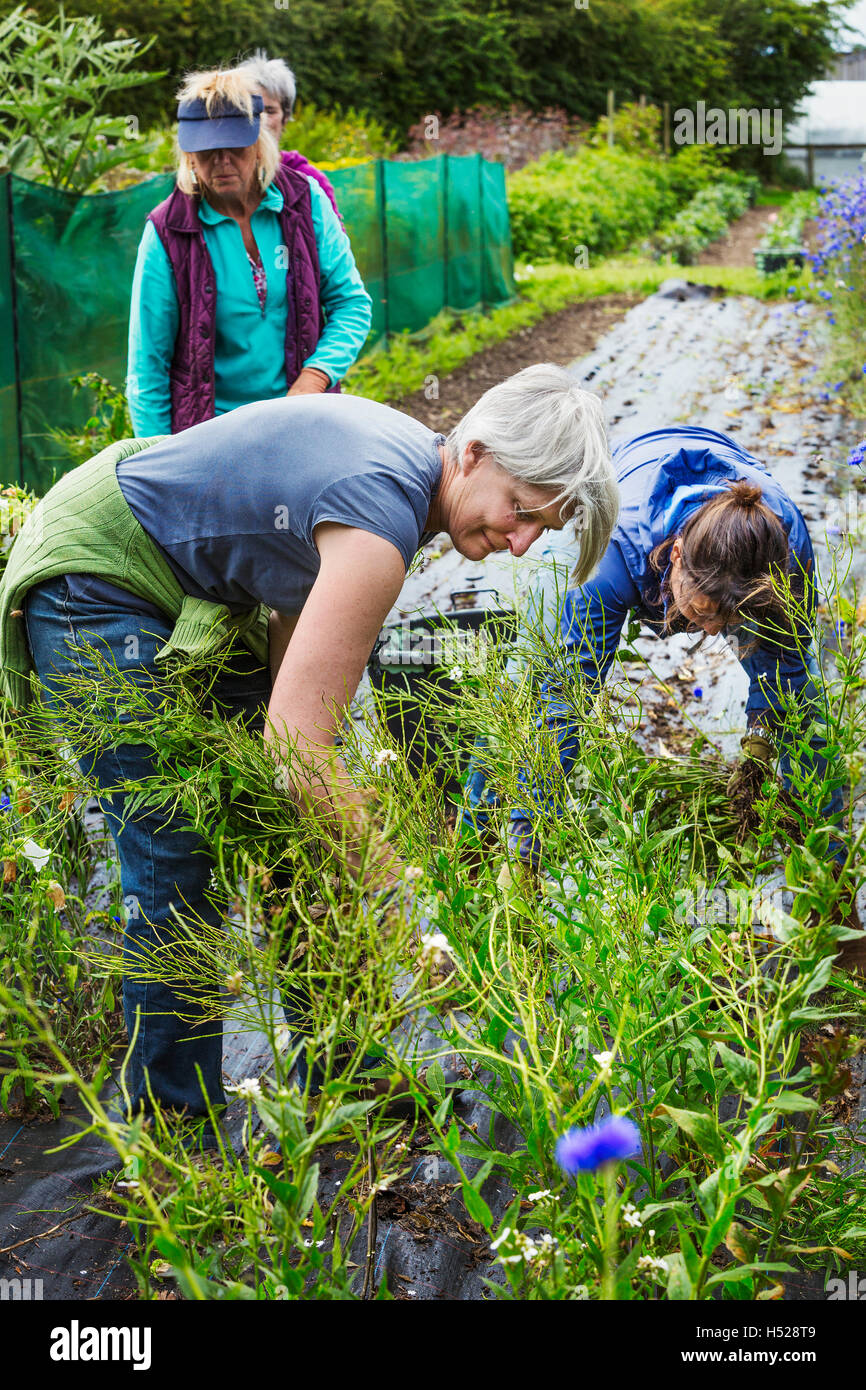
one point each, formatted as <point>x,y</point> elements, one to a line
<point>446,240</point>
<point>482,240</point>
<point>383,232</point>
<point>13,309</point>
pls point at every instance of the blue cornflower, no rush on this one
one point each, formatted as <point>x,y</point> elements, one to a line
<point>857,454</point>
<point>698,692</point>
<point>840,629</point>
<point>611,1141</point>
<point>5,802</point>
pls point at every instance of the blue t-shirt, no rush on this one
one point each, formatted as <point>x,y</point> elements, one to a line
<point>233,502</point>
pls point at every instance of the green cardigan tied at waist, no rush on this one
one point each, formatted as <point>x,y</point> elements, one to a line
<point>84,525</point>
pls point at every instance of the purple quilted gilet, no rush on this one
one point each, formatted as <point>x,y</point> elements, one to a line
<point>192,368</point>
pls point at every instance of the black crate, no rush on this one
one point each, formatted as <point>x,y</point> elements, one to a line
<point>414,658</point>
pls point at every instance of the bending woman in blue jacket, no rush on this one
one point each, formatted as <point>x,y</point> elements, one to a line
<point>703,537</point>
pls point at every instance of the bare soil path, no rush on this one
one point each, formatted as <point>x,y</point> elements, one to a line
<point>737,246</point>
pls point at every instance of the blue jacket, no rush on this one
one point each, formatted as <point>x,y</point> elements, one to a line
<point>664,476</point>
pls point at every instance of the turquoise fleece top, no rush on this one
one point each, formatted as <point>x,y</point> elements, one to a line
<point>249,355</point>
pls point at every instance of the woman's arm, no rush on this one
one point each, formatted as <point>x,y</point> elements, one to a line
<point>280,629</point>
<point>153,324</point>
<point>359,581</point>
<point>347,305</point>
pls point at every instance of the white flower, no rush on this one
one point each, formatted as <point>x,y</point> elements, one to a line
<point>603,1061</point>
<point>432,943</point>
<point>383,758</point>
<point>648,1264</point>
<point>318,1244</point>
<point>456,673</point>
<point>526,1247</point>
<point>539,1196</point>
<point>547,1243</point>
<point>630,1215</point>
<point>38,856</point>
<point>581,1291</point>
<point>248,1089</point>
<point>413,873</point>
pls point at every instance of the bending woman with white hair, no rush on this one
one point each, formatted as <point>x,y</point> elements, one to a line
<point>173,549</point>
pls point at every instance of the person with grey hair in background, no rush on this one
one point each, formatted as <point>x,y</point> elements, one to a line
<point>274,82</point>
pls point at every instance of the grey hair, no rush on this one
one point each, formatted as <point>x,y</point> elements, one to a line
<point>542,428</point>
<point>272,75</point>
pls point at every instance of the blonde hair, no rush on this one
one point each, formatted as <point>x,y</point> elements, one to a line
<point>218,88</point>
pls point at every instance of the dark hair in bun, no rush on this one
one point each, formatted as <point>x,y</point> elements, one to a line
<point>735,554</point>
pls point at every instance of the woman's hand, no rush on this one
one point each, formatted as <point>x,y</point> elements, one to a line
<point>309,383</point>
<point>359,581</point>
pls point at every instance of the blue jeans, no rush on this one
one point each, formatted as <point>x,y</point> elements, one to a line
<point>162,861</point>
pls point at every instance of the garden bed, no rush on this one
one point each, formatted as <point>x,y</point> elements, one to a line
<point>737,365</point>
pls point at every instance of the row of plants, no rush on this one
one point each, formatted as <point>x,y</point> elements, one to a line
<point>606,200</point>
<point>675,1083</point>
<point>838,279</point>
<point>785,230</point>
<point>705,218</point>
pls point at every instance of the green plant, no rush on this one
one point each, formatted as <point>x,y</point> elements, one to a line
<point>786,230</point>
<point>604,200</point>
<point>705,218</point>
<point>636,129</point>
<point>55,78</point>
<point>57,949</point>
<point>332,139</point>
<point>109,422</point>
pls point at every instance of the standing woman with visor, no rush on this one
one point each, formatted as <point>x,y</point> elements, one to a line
<point>245,285</point>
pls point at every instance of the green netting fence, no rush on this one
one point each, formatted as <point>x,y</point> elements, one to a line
<point>427,235</point>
